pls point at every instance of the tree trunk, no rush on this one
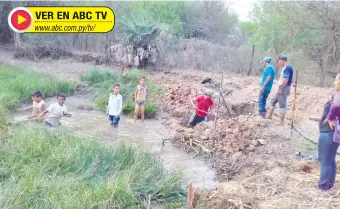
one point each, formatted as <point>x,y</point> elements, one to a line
<point>322,73</point>
<point>75,38</point>
<point>17,40</point>
<point>278,53</point>
<point>251,61</point>
<point>85,46</point>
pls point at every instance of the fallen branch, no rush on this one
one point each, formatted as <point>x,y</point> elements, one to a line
<point>191,142</point>
<point>195,142</point>
<point>314,119</point>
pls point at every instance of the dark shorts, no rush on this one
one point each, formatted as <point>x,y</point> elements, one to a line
<point>114,120</point>
<point>196,119</point>
<point>140,102</point>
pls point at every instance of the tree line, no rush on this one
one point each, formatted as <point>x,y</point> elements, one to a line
<point>306,31</point>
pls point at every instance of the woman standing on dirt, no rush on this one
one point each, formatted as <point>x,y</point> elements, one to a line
<point>327,147</point>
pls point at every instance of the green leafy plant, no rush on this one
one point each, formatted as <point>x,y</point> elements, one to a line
<point>101,83</point>
<point>137,29</point>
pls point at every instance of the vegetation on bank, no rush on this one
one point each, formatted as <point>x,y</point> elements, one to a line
<point>54,169</point>
<point>17,85</point>
<point>101,82</point>
<point>42,169</point>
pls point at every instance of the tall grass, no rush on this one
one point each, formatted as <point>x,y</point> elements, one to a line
<point>42,169</point>
<point>17,85</point>
<point>101,83</point>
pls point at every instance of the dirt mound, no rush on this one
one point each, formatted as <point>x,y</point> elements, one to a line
<point>236,129</point>
<point>234,136</point>
<point>176,100</point>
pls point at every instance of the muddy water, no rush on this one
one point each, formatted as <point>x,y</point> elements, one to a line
<point>148,135</point>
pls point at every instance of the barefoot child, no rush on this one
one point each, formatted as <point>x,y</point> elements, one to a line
<point>141,97</point>
<point>38,105</point>
<point>114,106</point>
<point>56,112</point>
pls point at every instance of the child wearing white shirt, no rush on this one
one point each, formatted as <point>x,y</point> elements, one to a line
<point>114,106</point>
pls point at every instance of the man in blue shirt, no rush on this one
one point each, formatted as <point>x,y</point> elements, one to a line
<point>285,81</point>
<point>266,85</point>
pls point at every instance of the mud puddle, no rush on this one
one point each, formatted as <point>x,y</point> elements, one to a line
<point>148,135</point>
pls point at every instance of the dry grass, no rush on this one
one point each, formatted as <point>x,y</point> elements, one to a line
<point>272,178</point>
<point>277,188</point>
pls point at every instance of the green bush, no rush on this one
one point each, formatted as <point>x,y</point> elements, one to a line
<point>93,76</point>
<point>102,81</point>
<point>150,109</point>
<point>43,169</point>
<point>17,85</point>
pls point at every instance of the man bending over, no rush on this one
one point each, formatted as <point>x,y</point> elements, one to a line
<point>202,106</point>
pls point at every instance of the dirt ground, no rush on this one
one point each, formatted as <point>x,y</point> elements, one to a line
<point>255,159</point>
<point>255,156</point>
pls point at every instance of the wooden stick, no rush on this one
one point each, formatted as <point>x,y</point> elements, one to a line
<point>294,101</point>
<point>227,93</point>
<point>218,108</point>
<point>225,104</point>
<point>314,119</point>
<point>195,142</point>
<point>149,202</point>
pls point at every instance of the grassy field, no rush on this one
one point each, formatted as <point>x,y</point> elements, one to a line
<point>17,85</point>
<point>40,169</point>
<point>44,169</point>
<point>101,83</point>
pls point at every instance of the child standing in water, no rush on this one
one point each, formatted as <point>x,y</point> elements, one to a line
<point>114,106</point>
<point>141,97</point>
<point>38,105</point>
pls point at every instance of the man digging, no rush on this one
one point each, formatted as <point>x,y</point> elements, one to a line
<point>203,104</point>
<point>283,91</point>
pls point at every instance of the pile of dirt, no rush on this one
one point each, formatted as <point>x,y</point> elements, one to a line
<point>233,136</point>
<point>237,129</point>
<point>176,101</point>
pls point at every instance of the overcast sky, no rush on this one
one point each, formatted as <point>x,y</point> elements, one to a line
<point>241,8</point>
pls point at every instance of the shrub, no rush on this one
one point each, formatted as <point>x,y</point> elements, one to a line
<point>102,82</point>
<point>93,76</point>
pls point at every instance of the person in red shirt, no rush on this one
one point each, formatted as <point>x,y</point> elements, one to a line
<point>202,106</point>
